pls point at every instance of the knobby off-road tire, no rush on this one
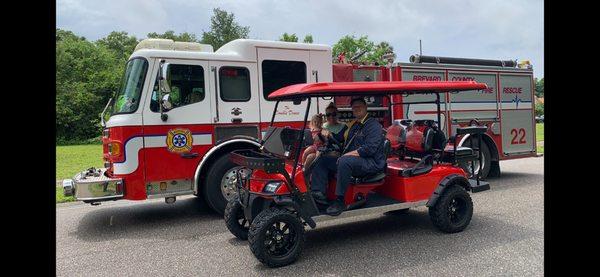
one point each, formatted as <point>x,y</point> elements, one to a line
<point>235,220</point>
<point>211,190</point>
<point>275,249</point>
<point>453,211</point>
<point>486,157</point>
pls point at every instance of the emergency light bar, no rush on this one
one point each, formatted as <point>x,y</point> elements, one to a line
<point>169,44</point>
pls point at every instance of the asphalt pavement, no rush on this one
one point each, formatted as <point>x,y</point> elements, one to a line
<point>151,238</point>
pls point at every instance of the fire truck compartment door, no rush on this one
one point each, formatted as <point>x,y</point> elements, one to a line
<point>278,68</point>
<point>479,104</point>
<point>518,127</point>
<point>235,92</point>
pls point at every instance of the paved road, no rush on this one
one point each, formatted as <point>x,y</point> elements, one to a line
<point>505,237</point>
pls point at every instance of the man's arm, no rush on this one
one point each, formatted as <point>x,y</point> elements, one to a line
<point>373,138</point>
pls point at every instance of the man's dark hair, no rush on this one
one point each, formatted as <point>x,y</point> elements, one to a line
<point>359,99</point>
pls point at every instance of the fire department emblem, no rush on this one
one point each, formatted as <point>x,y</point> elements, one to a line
<point>179,140</point>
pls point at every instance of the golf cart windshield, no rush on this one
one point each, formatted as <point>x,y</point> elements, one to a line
<point>284,141</point>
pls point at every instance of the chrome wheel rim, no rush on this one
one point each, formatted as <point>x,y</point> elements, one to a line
<point>228,183</point>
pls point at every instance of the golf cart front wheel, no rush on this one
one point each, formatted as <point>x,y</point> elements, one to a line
<point>237,224</point>
<point>453,211</point>
<point>276,237</point>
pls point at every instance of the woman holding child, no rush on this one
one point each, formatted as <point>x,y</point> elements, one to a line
<point>331,128</point>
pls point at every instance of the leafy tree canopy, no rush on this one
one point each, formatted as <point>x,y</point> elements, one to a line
<point>223,29</point>
<point>185,36</point>
<point>288,38</point>
<point>362,49</point>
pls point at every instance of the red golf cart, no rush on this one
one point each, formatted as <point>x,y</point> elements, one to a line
<point>274,202</point>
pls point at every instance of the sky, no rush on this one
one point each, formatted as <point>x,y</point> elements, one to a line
<point>507,29</point>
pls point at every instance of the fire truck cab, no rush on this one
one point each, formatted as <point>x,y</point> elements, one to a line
<point>162,143</point>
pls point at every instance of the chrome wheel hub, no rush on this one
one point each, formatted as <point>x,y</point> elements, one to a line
<point>228,183</point>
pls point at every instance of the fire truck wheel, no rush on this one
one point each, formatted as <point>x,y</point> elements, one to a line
<point>219,187</point>
<point>485,157</point>
<point>235,220</point>
<point>453,211</point>
<point>276,237</point>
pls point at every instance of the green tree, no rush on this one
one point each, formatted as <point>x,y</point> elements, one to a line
<point>308,39</point>
<point>539,87</point>
<point>364,50</point>
<point>120,43</point>
<point>288,38</point>
<point>87,74</point>
<point>223,29</point>
<point>185,36</point>
<point>353,47</point>
<point>376,56</point>
<point>539,109</point>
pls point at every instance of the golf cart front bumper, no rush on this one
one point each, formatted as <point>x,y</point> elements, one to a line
<point>93,185</point>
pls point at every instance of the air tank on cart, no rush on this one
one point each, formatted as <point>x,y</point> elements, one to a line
<point>449,60</point>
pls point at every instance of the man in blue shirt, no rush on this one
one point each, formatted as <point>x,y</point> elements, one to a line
<point>363,155</point>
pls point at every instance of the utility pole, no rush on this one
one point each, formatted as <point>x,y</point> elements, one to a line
<point>420,48</point>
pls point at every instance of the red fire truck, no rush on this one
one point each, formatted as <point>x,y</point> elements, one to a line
<point>182,108</point>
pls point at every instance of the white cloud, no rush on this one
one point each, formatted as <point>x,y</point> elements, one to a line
<point>509,29</point>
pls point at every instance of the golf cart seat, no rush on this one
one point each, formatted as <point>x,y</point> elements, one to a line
<point>463,152</point>
<point>378,176</point>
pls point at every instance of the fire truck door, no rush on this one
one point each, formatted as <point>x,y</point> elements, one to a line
<point>234,89</point>
<point>173,147</point>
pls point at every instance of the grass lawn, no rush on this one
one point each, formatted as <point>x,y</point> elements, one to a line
<point>60,198</point>
<point>72,159</point>
<point>539,133</point>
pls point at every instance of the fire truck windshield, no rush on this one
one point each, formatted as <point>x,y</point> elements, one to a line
<point>128,97</point>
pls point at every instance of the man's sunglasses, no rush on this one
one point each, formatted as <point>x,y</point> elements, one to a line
<point>330,114</point>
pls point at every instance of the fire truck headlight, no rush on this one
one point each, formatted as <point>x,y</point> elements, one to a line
<point>114,149</point>
<point>272,186</point>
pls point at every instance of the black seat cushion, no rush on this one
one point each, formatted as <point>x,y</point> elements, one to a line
<point>371,178</point>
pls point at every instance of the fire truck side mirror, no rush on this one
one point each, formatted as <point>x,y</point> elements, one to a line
<point>166,102</point>
<point>163,78</point>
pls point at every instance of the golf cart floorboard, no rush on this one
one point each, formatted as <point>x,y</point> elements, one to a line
<point>376,203</point>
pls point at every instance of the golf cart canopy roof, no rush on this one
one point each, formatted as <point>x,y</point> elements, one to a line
<point>300,91</point>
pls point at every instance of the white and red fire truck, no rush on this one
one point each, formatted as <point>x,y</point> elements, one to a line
<point>182,108</point>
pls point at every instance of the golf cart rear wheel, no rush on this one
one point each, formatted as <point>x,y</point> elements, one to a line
<point>453,211</point>
<point>235,220</point>
<point>276,237</point>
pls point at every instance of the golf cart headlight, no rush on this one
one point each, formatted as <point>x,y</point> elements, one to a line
<point>271,187</point>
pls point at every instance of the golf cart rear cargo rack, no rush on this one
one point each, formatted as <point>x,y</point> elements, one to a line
<point>256,160</point>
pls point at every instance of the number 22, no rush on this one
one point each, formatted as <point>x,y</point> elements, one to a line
<point>515,133</point>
